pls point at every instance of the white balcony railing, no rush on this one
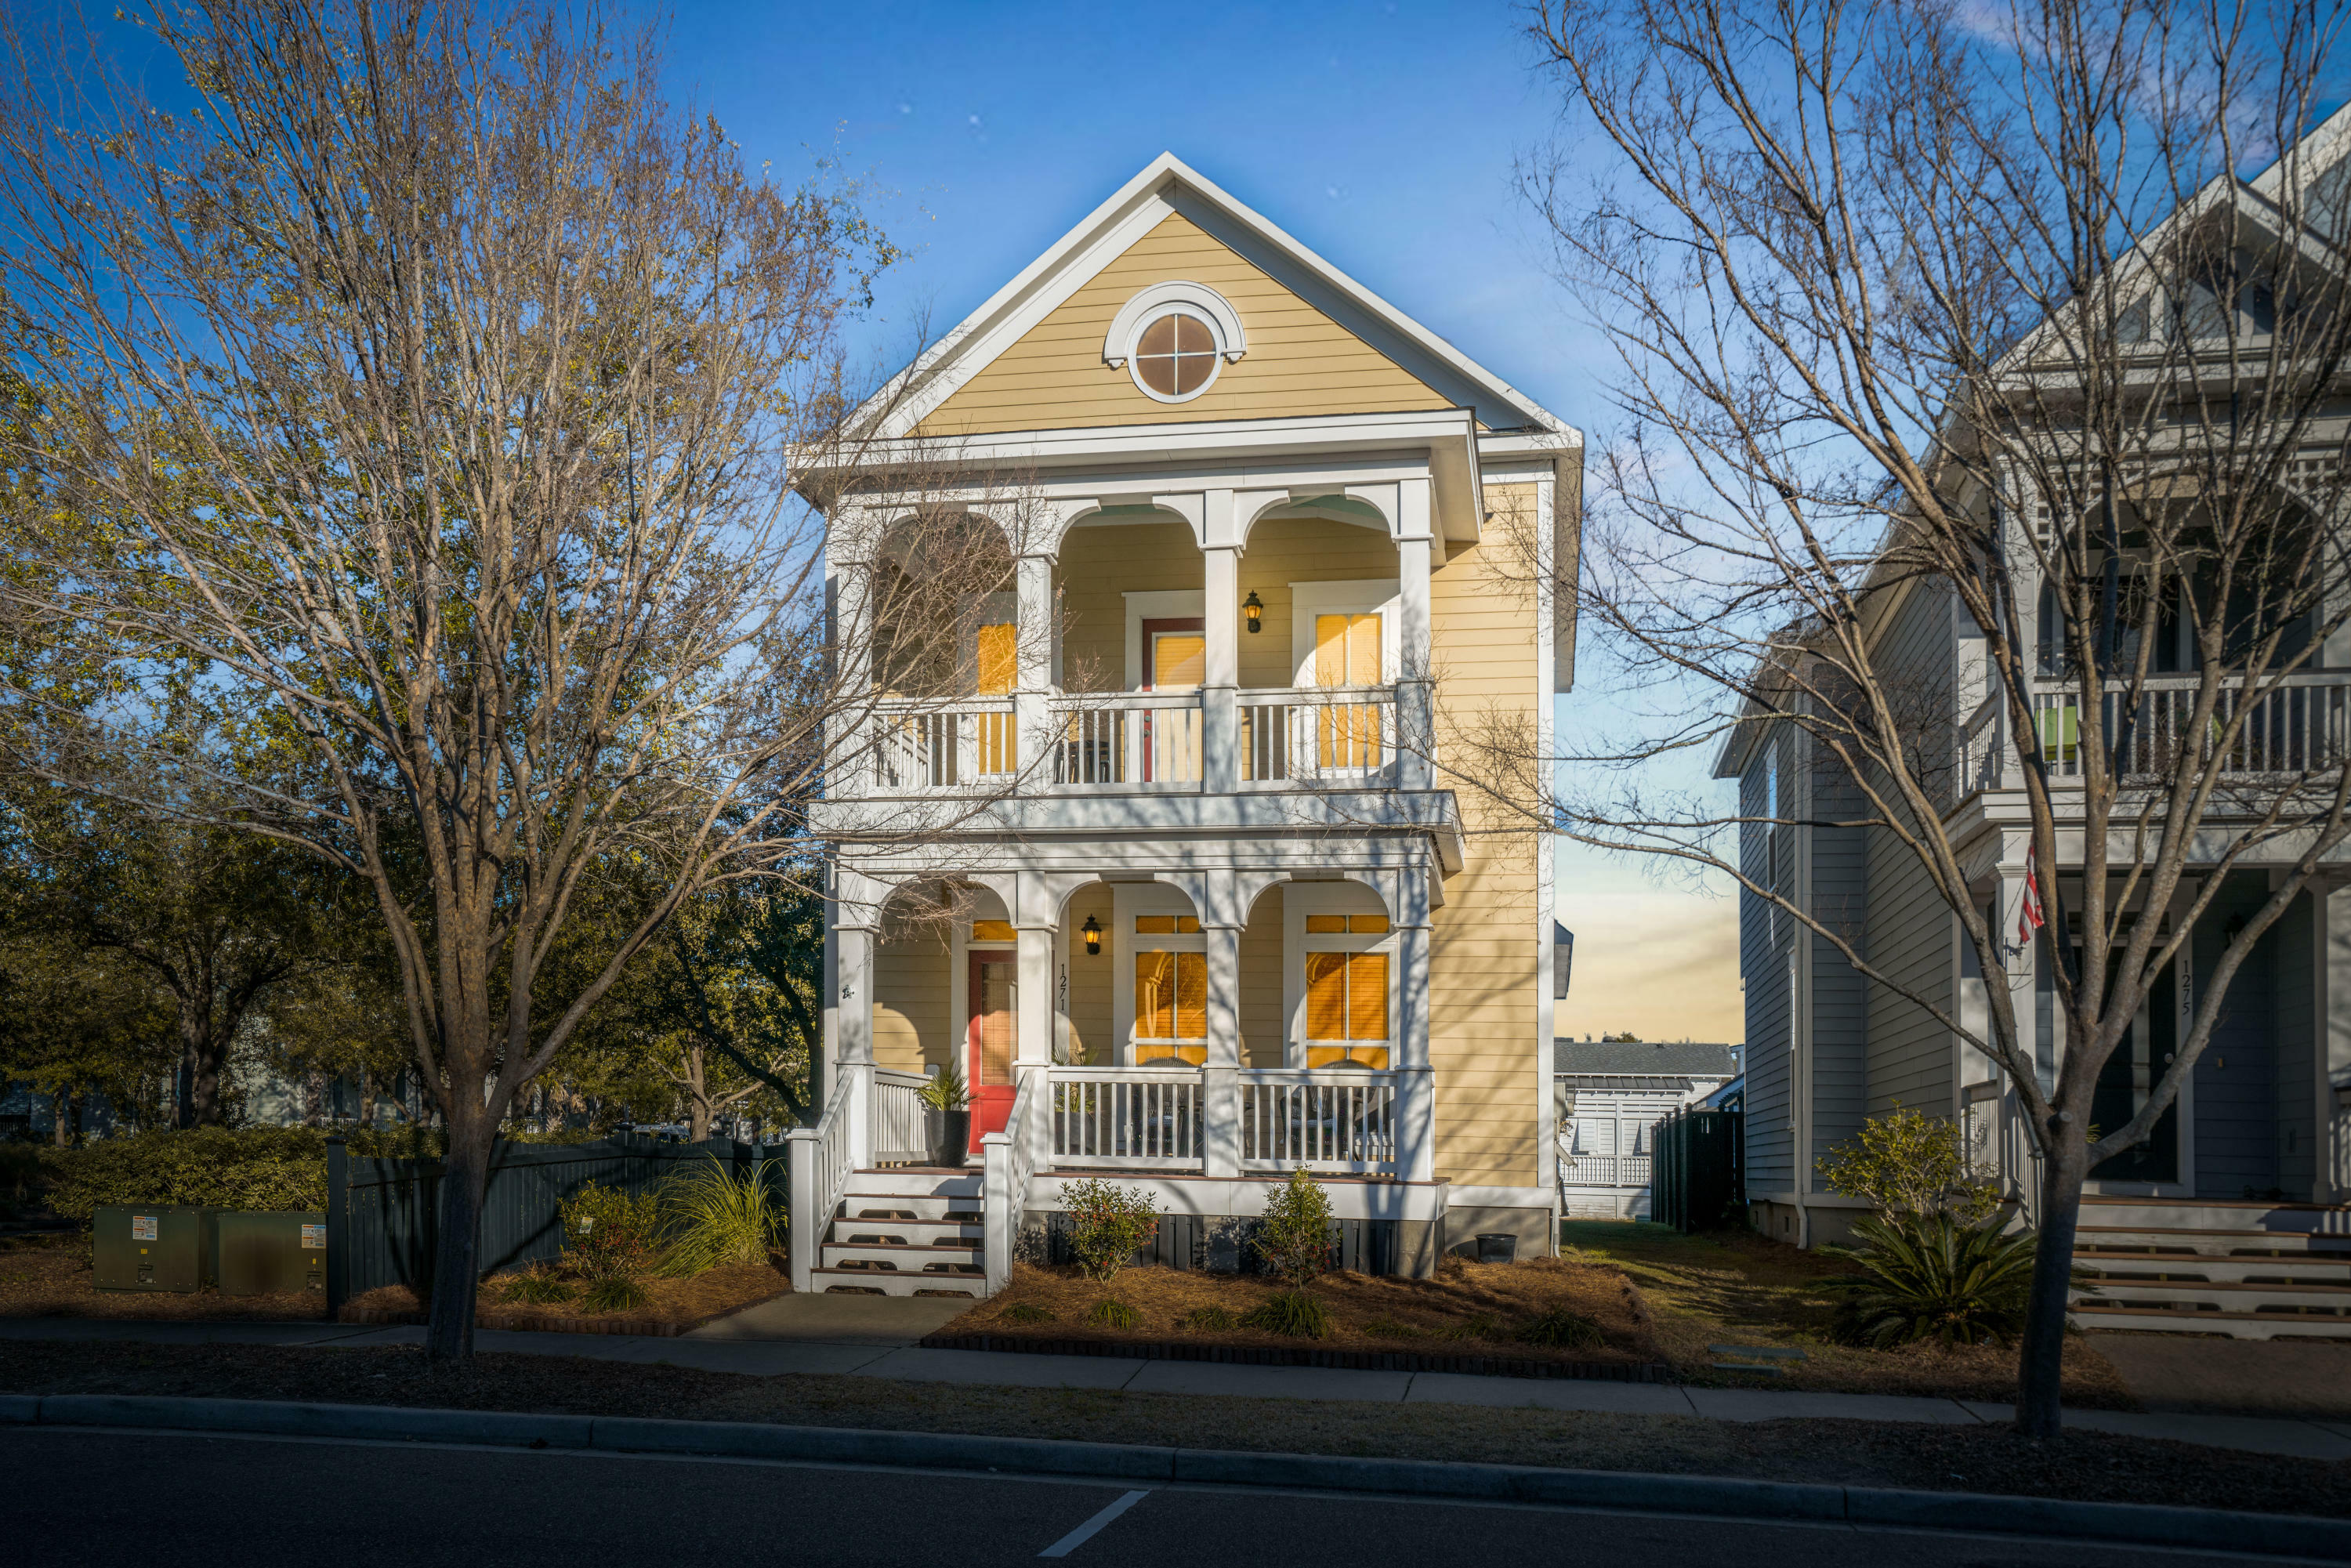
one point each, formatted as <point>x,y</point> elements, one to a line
<point>2296,728</point>
<point>1125,739</point>
<point>1341,1120</point>
<point>970,743</point>
<point>1605,1170</point>
<point>1127,1116</point>
<point>1319,735</point>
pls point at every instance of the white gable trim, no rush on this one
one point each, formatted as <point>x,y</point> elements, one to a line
<point>1079,256</point>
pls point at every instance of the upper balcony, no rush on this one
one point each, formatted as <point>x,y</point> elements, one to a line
<point>1167,669</point>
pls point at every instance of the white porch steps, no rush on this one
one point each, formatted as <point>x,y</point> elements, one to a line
<point>902,1232</point>
<point>2245,1269</point>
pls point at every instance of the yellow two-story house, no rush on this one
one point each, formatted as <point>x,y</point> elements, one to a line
<point>1168,864</point>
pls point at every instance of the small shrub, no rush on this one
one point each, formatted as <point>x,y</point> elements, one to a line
<point>608,1234</point>
<point>1024,1312</point>
<point>1291,1312</point>
<point>1210,1320</point>
<point>1107,1224</point>
<point>1478,1327</point>
<point>711,1218</point>
<point>1294,1237</point>
<point>1908,1164</point>
<point>538,1285</point>
<point>1111,1314</point>
<point>1933,1279</point>
<point>1560,1329</point>
<point>614,1294</point>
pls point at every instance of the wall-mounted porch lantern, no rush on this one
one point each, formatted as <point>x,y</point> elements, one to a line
<point>1092,929</point>
<point>1254,607</point>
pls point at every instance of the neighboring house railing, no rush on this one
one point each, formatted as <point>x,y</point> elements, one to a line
<point>1329,1121</point>
<point>902,1123</point>
<point>1125,739</point>
<point>1319,735</point>
<point>1127,1116</point>
<point>2300,727</point>
<point>918,748</point>
<point>1008,1159</point>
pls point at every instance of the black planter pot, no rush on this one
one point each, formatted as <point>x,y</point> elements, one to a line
<point>954,1139</point>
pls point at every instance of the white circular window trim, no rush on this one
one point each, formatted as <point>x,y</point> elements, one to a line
<point>1194,300</point>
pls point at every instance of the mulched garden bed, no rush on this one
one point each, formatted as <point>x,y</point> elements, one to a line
<point>674,1306</point>
<point>50,1276</point>
<point>1467,1319</point>
<point>2093,1466</point>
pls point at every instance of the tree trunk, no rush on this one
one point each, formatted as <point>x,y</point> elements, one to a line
<point>314,1098</point>
<point>57,1119</point>
<point>367,1098</point>
<point>465,1176</point>
<point>201,1062</point>
<point>697,1096</point>
<point>77,1109</point>
<point>2041,1360</point>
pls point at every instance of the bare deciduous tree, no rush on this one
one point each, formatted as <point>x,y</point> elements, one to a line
<point>2035,308</point>
<point>436,382</point>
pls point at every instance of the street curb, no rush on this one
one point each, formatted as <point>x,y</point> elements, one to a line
<point>1975,1513</point>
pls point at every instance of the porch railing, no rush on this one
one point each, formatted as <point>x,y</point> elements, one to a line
<point>902,1123</point>
<point>1327,1121</point>
<point>1319,735</point>
<point>821,1159</point>
<point>916,749</point>
<point>2301,726</point>
<point>1123,739</point>
<point>1127,1116</point>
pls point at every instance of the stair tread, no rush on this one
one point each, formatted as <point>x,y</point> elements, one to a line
<point>898,1247</point>
<point>2203,1230</point>
<point>2128,1283</point>
<point>2141,1311</point>
<point>2232,1260</point>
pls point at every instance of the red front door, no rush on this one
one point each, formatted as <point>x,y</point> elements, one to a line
<point>990,1037</point>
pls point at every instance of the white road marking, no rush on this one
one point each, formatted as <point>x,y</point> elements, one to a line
<point>1085,1532</point>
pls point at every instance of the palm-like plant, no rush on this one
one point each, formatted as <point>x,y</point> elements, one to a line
<point>711,1216</point>
<point>1932,1278</point>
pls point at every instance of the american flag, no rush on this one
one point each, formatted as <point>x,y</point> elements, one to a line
<point>2028,917</point>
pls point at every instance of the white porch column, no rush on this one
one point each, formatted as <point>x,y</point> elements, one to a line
<point>855,946</point>
<point>1219,713</point>
<point>2331,1180</point>
<point>1033,686</point>
<point>1223,903</point>
<point>1415,1077</point>
<point>1415,720</point>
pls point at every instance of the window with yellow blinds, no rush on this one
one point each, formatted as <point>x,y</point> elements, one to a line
<point>1346,1003</point>
<point>998,656</point>
<point>1347,650</point>
<point>1171,996</point>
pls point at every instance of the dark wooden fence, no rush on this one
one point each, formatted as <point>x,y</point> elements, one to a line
<point>1698,1179</point>
<point>383,1215</point>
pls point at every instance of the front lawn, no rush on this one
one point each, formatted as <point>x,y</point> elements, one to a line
<point>1468,1309</point>
<point>1735,1287</point>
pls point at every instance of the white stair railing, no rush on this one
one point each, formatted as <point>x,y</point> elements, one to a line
<point>1008,1161</point>
<point>821,1160</point>
<point>1127,1116</point>
<point>902,1123</point>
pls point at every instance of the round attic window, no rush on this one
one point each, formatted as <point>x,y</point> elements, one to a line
<point>1175,355</point>
<point>1173,337</point>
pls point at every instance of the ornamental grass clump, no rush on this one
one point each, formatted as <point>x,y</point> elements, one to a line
<point>538,1285</point>
<point>1560,1329</point>
<point>711,1218</point>
<point>1210,1320</point>
<point>1934,1279</point>
<point>1108,1313</point>
<point>1292,1313</point>
<point>1293,1238</point>
<point>1108,1224</point>
<point>1024,1312</point>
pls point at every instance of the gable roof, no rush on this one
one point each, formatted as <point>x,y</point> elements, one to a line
<point>1165,187</point>
<point>1619,1058</point>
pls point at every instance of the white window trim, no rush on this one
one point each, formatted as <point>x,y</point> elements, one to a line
<point>1198,300</point>
<point>1157,604</point>
<point>1359,595</point>
<point>1301,899</point>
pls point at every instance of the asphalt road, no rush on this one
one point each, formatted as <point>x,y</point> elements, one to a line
<point>118,1498</point>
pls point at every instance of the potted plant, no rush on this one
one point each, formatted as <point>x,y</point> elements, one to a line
<point>951,1137</point>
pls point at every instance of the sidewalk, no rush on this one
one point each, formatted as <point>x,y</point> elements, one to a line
<point>815,1335</point>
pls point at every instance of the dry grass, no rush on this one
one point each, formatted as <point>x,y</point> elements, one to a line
<point>1470,1309</point>
<point>1734,1287</point>
<point>671,1303</point>
<point>50,1276</point>
<point>1986,1458</point>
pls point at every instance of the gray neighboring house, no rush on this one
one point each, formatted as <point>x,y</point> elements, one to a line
<point>2234,1216</point>
<point>1610,1094</point>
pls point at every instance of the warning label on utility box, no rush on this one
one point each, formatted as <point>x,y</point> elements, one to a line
<point>313,1237</point>
<point>142,1228</point>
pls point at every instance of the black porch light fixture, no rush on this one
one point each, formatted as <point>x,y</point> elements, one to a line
<point>1092,929</point>
<point>1254,607</point>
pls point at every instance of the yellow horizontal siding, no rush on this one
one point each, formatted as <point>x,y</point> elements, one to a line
<point>1300,361</point>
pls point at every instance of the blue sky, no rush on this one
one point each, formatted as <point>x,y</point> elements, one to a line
<point>1382,133</point>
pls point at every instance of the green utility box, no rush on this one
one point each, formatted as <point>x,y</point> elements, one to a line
<point>154,1248</point>
<point>263,1254</point>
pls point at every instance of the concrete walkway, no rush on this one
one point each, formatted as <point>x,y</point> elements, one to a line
<point>814,1334</point>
